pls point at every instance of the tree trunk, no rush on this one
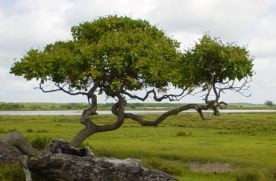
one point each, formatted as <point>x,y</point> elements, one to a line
<point>92,128</point>
<point>80,137</point>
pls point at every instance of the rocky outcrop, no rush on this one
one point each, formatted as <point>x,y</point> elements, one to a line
<point>15,149</point>
<point>60,161</point>
<point>8,153</point>
<point>18,141</point>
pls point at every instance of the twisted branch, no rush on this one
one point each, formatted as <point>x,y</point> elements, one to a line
<point>198,107</point>
<point>170,97</point>
<point>60,88</point>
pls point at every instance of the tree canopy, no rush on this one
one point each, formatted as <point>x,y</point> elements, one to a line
<point>216,66</point>
<point>115,53</point>
<point>117,56</point>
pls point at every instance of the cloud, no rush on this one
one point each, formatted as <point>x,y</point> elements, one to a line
<point>263,39</point>
<point>88,10</point>
<point>29,24</point>
<point>224,18</point>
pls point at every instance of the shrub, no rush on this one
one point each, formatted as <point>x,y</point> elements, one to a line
<point>29,130</point>
<point>269,103</point>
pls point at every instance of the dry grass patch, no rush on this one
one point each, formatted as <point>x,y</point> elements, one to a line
<point>211,167</point>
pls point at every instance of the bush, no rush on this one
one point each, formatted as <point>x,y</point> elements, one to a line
<point>183,133</point>
<point>269,103</point>
<point>29,130</point>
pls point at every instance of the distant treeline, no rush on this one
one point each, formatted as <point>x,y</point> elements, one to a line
<point>40,106</point>
<point>107,106</point>
<point>77,106</point>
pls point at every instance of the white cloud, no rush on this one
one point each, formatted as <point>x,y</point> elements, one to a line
<point>224,18</point>
<point>87,10</point>
<point>28,24</point>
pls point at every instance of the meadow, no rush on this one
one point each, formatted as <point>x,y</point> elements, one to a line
<point>229,147</point>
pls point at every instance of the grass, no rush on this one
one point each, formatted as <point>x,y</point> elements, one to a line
<point>246,141</point>
<point>11,172</point>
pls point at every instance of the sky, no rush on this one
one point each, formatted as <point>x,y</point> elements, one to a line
<point>26,24</point>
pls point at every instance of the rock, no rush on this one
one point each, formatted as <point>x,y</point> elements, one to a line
<point>8,153</point>
<point>57,165</point>
<point>15,149</point>
<point>17,140</point>
<point>60,146</point>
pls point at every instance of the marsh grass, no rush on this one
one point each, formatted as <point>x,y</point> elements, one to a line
<point>40,142</point>
<point>255,174</point>
<point>247,141</point>
<point>11,172</point>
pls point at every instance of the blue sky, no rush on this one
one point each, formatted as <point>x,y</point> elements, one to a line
<point>26,24</point>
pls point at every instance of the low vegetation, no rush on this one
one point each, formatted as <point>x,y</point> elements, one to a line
<point>229,147</point>
<point>32,106</point>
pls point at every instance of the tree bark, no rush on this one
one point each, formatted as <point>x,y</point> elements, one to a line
<point>81,136</point>
<point>92,128</point>
<point>198,107</point>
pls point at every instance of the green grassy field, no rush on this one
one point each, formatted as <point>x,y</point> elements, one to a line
<point>229,147</point>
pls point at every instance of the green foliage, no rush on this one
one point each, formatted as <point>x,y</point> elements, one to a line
<point>120,55</point>
<point>117,52</point>
<point>211,61</point>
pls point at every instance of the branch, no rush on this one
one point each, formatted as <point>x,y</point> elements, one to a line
<point>60,88</point>
<point>171,97</point>
<point>198,107</point>
<point>216,88</point>
<point>241,89</point>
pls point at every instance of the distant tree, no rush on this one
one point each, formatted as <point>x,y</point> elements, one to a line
<point>269,103</point>
<point>117,56</point>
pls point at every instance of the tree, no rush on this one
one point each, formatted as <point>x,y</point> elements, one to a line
<point>112,56</point>
<point>117,56</point>
<point>268,103</point>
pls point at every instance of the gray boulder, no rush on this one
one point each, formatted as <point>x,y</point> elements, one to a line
<point>8,153</point>
<point>60,161</point>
